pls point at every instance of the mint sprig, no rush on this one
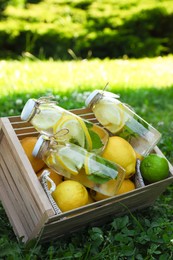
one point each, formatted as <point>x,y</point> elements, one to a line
<point>101,170</point>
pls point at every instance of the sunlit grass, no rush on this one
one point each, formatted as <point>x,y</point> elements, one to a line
<point>28,76</point>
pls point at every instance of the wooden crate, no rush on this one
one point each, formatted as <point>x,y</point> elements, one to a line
<point>27,205</point>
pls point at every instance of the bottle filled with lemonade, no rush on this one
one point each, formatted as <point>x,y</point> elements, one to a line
<point>120,120</point>
<point>76,163</point>
<point>50,119</point>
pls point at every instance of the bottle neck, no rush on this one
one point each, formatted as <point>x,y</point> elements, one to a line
<point>95,100</point>
<point>35,110</point>
<point>43,101</point>
<point>43,149</point>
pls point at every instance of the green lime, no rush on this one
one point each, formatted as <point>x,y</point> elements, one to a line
<point>154,168</point>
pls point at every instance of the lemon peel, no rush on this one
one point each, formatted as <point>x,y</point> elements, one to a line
<point>118,150</point>
<point>46,119</point>
<point>75,131</point>
<point>87,135</point>
<point>70,195</point>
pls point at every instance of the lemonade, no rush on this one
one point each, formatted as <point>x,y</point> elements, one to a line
<point>52,120</point>
<point>120,120</point>
<point>75,162</point>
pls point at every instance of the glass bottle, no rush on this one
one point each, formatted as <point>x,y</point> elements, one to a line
<point>76,163</point>
<point>120,120</point>
<point>48,118</point>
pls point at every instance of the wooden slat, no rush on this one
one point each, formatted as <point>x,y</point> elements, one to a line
<point>25,130</point>
<point>23,135</point>
<point>10,208</point>
<point>21,124</point>
<point>12,193</point>
<point>114,206</point>
<point>14,119</point>
<point>158,188</point>
<point>26,168</point>
<point>81,111</point>
<point>21,181</point>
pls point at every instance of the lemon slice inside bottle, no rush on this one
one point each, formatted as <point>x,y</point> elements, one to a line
<point>86,165</point>
<point>75,131</point>
<point>86,132</point>
<point>67,164</point>
<point>50,160</point>
<point>111,116</point>
<point>46,119</point>
<point>71,158</point>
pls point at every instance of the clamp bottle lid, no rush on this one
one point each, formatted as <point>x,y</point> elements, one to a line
<point>28,110</point>
<point>91,97</point>
<point>38,146</point>
<point>96,94</point>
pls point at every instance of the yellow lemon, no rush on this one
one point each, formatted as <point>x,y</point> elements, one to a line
<point>28,144</point>
<point>56,178</point>
<point>90,199</point>
<point>70,195</point>
<point>83,178</point>
<point>97,196</point>
<point>110,187</point>
<point>126,186</point>
<point>119,151</point>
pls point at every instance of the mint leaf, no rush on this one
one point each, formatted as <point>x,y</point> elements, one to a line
<point>96,141</point>
<point>98,178</point>
<point>101,170</point>
<point>88,124</point>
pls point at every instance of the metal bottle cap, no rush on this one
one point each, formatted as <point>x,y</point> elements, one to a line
<point>96,95</point>
<point>92,97</point>
<point>28,110</point>
<point>38,146</point>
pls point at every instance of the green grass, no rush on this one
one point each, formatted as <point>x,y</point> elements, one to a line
<point>146,85</point>
<point>25,76</point>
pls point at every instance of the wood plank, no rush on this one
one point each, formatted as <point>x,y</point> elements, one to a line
<point>10,210</point>
<point>134,196</point>
<point>81,111</point>
<point>12,197</point>
<point>120,207</point>
<point>26,170</point>
<point>23,135</point>
<point>28,130</point>
<point>18,189</point>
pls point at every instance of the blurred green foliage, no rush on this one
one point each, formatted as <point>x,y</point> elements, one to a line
<point>3,5</point>
<point>64,29</point>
